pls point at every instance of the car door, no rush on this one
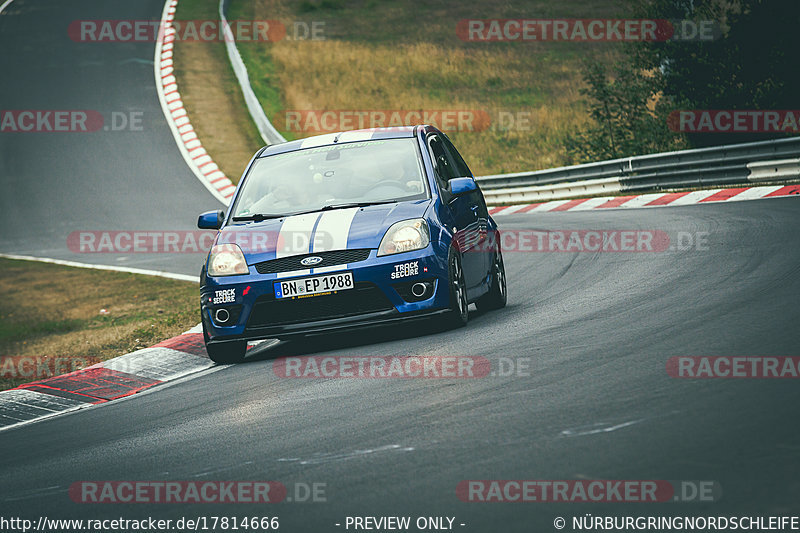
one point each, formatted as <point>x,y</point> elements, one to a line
<point>464,209</point>
<point>477,205</point>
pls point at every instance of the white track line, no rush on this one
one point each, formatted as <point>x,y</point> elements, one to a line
<point>159,273</point>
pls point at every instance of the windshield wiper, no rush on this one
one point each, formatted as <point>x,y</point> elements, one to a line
<point>331,207</point>
<point>257,217</point>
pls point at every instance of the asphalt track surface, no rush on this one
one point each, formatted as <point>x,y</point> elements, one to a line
<point>595,328</point>
<point>56,183</point>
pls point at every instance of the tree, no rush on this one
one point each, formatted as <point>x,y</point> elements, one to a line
<point>751,64</point>
<point>629,115</point>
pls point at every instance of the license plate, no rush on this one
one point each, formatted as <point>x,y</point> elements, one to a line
<point>313,286</point>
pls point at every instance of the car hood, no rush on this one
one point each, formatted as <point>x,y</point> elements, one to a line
<point>337,229</point>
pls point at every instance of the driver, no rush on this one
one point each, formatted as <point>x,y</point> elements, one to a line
<point>282,197</point>
<point>401,174</point>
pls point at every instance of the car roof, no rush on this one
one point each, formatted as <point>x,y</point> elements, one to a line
<point>339,137</point>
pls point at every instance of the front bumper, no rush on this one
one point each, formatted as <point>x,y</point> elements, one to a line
<point>380,296</point>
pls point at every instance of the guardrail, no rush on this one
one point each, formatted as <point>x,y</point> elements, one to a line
<point>719,166</point>
<point>265,128</point>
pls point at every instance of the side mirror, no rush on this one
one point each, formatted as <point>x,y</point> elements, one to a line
<point>462,185</point>
<point>211,219</point>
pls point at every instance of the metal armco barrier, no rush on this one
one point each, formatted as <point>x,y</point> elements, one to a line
<point>265,128</point>
<point>719,166</point>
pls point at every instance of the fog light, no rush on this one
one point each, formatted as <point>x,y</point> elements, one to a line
<point>221,316</point>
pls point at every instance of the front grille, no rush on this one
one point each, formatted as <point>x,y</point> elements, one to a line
<point>364,298</point>
<point>333,258</point>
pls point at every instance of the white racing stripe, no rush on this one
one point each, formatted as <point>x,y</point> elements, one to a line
<point>359,135</point>
<point>318,140</point>
<point>295,239</point>
<point>333,230</point>
<point>332,233</point>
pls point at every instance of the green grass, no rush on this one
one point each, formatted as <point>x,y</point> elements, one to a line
<point>53,312</point>
<point>212,96</point>
<point>384,55</point>
<point>261,70</point>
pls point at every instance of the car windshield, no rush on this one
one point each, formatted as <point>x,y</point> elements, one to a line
<point>329,176</point>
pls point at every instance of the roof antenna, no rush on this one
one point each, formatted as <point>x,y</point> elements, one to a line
<point>336,139</point>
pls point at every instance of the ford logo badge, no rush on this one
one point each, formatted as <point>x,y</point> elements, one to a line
<point>310,261</point>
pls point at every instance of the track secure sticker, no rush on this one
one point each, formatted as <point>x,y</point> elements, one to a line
<point>224,296</point>
<point>405,269</point>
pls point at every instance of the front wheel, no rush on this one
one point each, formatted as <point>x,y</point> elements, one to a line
<point>498,289</point>
<point>459,306</point>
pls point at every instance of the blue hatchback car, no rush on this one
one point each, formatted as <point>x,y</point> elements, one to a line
<point>347,230</point>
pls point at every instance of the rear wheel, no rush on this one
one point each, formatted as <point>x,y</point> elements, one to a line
<point>459,306</point>
<point>498,290</point>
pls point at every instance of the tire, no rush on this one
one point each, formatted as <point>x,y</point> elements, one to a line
<point>459,306</point>
<point>498,288</point>
<point>225,353</point>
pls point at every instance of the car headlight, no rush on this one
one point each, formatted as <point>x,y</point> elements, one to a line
<point>405,236</point>
<point>226,260</point>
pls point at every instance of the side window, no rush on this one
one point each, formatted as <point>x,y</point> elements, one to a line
<point>443,168</point>
<point>461,170</point>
